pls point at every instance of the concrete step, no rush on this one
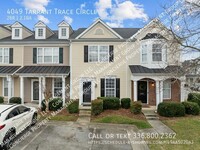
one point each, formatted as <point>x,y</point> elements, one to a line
<point>152,118</point>
<point>86,113</point>
<point>151,115</point>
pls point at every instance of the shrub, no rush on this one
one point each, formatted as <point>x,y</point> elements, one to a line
<point>55,104</point>
<point>15,100</point>
<point>110,103</point>
<point>125,103</point>
<point>194,97</point>
<point>97,106</point>
<point>136,107</point>
<point>171,109</point>
<point>191,108</point>
<point>73,107</point>
<point>1,99</point>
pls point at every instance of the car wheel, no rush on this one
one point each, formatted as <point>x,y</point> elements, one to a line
<point>34,119</point>
<point>8,141</point>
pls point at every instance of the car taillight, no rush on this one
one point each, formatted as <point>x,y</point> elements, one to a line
<point>2,126</point>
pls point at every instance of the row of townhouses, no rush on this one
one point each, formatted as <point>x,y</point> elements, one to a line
<point>98,61</point>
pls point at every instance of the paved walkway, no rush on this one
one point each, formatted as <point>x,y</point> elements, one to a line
<point>154,121</point>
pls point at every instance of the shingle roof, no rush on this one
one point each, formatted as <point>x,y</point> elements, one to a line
<point>44,70</point>
<point>8,69</point>
<point>123,32</point>
<point>153,36</point>
<point>3,26</point>
<point>142,69</point>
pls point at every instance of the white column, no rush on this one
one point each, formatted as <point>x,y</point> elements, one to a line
<point>182,91</point>
<point>40,92</point>
<point>157,93</point>
<point>43,87</point>
<point>22,89</point>
<point>135,90</point>
<point>9,79</point>
<point>63,90</point>
<point>161,91</point>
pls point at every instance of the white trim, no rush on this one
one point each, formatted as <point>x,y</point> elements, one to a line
<point>32,80</point>
<point>97,21</point>
<point>3,56</point>
<point>114,78</point>
<point>20,33</point>
<point>3,86</point>
<point>22,88</point>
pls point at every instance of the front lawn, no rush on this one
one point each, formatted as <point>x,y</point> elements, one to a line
<point>122,116</point>
<point>187,130</point>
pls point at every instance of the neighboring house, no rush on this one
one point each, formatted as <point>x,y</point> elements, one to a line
<point>89,62</point>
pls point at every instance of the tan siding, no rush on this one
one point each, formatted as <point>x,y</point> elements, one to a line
<point>4,33</point>
<point>48,33</point>
<point>27,90</point>
<point>17,87</point>
<point>1,87</point>
<point>25,33</point>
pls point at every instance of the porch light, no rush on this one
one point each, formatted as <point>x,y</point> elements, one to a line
<point>152,84</point>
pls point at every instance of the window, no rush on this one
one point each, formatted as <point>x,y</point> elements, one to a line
<point>22,109</point>
<point>156,52</point>
<point>144,53</point>
<point>4,55</point>
<point>5,87</point>
<point>57,87</point>
<point>40,32</point>
<point>48,55</point>
<point>167,89</point>
<point>16,32</point>
<point>98,53</point>
<point>110,87</point>
<point>13,113</point>
<point>64,32</point>
<point>99,31</point>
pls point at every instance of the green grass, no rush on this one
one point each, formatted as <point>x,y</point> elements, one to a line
<point>187,128</point>
<point>116,119</point>
<point>61,118</point>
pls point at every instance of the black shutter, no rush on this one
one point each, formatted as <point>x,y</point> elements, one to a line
<point>85,53</point>
<point>35,55</point>
<point>11,55</point>
<point>102,87</point>
<point>60,55</point>
<point>111,53</point>
<point>118,87</point>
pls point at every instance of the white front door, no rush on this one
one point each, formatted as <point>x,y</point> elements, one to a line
<point>35,90</point>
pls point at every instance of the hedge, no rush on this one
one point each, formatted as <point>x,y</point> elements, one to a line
<point>110,103</point>
<point>1,99</point>
<point>191,108</point>
<point>73,107</point>
<point>136,107</point>
<point>97,106</point>
<point>171,109</point>
<point>55,104</point>
<point>194,97</point>
<point>125,103</point>
<point>15,100</point>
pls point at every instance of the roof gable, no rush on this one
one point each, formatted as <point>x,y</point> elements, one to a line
<point>63,24</point>
<point>40,24</point>
<point>17,25</point>
<point>99,29</point>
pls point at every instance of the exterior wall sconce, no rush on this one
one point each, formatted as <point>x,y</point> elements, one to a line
<point>152,84</point>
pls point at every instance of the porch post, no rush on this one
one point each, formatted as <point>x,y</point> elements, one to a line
<point>9,79</point>
<point>135,90</point>
<point>43,87</point>
<point>157,93</point>
<point>63,90</point>
<point>161,91</point>
<point>182,91</point>
<point>22,89</point>
<point>40,92</point>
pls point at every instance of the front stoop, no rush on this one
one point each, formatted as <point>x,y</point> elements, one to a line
<point>84,114</point>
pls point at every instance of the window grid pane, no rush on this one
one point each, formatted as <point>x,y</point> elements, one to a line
<point>110,88</point>
<point>40,32</point>
<point>16,32</point>
<point>58,87</point>
<point>64,31</point>
<point>167,89</point>
<point>48,55</point>
<point>93,53</point>
<point>157,52</point>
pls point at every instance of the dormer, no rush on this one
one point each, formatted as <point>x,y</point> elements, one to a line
<point>19,31</point>
<point>64,30</point>
<point>42,31</point>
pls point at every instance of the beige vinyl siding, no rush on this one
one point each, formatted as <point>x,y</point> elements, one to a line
<point>27,90</point>
<point>4,33</point>
<point>106,33</point>
<point>48,33</point>
<point>81,69</point>
<point>28,55</point>
<point>25,33</point>
<point>1,86</point>
<point>16,87</point>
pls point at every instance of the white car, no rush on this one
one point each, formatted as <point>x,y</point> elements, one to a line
<point>13,120</point>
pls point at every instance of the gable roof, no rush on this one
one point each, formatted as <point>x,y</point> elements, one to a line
<point>103,23</point>
<point>153,36</point>
<point>23,27</point>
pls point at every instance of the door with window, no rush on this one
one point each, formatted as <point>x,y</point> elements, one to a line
<point>87,92</point>
<point>35,90</point>
<point>142,91</point>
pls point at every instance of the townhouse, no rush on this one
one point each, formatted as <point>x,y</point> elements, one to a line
<point>89,62</point>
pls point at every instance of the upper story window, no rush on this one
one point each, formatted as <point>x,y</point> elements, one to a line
<point>4,55</point>
<point>157,52</point>
<point>64,32</point>
<point>48,55</point>
<point>40,32</point>
<point>17,32</point>
<point>98,53</point>
<point>144,53</point>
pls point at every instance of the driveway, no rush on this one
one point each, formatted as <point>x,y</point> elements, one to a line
<point>74,136</point>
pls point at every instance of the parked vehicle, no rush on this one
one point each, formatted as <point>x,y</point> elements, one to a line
<point>13,120</point>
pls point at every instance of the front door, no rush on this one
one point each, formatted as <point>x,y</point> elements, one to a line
<point>35,90</point>
<point>142,91</point>
<point>87,92</point>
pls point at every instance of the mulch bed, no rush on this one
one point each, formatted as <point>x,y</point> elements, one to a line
<point>120,112</point>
